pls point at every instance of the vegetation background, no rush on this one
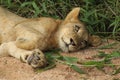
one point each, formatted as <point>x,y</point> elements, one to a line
<point>102,17</point>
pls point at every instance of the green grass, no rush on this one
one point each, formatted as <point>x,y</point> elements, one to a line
<point>100,61</point>
<point>101,17</point>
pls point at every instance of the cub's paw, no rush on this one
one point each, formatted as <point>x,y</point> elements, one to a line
<point>36,59</point>
<point>95,40</point>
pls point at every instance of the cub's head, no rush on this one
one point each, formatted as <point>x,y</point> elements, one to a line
<point>73,35</point>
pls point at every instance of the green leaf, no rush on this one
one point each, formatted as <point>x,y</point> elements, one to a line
<point>50,66</point>
<point>37,10</point>
<point>107,60</point>
<point>98,64</point>
<point>25,4</point>
<point>59,57</point>
<point>77,69</point>
<point>116,71</point>
<point>115,54</point>
<point>102,54</point>
<point>93,63</point>
<point>44,7</point>
<point>49,57</point>
<point>70,59</point>
<point>9,3</point>
<point>103,16</point>
<point>108,46</point>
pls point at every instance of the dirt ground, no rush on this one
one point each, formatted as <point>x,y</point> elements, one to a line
<point>13,69</point>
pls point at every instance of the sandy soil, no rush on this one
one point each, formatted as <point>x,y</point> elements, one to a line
<point>13,69</point>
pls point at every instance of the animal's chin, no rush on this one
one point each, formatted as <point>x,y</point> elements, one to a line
<point>65,49</point>
<point>69,51</point>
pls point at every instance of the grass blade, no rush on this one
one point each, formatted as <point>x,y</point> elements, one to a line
<point>108,46</point>
<point>77,69</point>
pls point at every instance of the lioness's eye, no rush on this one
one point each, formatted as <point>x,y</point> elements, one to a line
<point>76,28</point>
<point>72,42</point>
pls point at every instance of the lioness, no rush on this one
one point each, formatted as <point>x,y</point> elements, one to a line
<point>25,39</point>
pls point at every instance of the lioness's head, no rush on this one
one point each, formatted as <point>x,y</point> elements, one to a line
<point>73,35</point>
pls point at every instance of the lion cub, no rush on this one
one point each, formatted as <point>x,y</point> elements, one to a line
<point>25,39</point>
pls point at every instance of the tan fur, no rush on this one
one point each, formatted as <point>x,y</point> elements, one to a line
<point>25,38</point>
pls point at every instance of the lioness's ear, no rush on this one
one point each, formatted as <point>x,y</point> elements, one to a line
<point>94,40</point>
<point>73,15</point>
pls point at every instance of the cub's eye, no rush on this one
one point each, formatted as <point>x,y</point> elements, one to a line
<point>84,42</point>
<point>72,42</point>
<point>76,28</point>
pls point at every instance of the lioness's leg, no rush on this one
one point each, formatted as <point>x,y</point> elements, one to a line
<point>35,58</point>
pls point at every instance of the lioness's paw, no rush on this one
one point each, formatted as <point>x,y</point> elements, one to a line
<point>36,59</point>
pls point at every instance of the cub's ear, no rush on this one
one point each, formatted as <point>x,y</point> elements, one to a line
<point>73,15</point>
<point>94,40</point>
